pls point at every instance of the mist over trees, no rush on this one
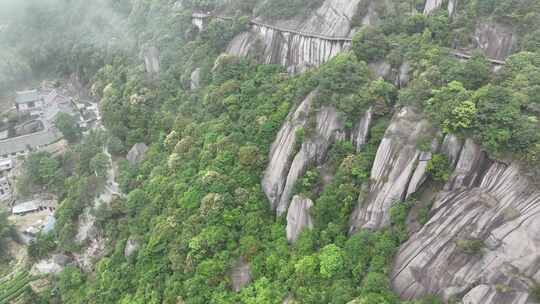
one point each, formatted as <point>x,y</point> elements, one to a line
<point>57,37</point>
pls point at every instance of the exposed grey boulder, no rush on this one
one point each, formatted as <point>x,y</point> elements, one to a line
<point>332,18</point>
<point>452,4</point>
<point>293,48</point>
<point>468,167</point>
<point>298,217</point>
<point>282,152</point>
<point>195,79</point>
<point>500,209</point>
<point>151,60</point>
<point>431,6</point>
<point>137,153</point>
<point>395,165</point>
<point>329,128</point>
<point>361,131</point>
<point>451,147</point>
<point>131,247</point>
<point>497,41</point>
<point>286,164</point>
<point>420,173</point>
<point>404,70</point>
<point>241,274</point>
<point>500,294</point>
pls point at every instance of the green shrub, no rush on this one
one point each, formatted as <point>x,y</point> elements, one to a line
<point>438,168</point>
<point>470,246</point>
<point>370,44</point>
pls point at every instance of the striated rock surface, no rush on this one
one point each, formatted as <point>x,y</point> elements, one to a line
<point>195,79</point>
<point>451,147</point>
<point>282,152</point>
<point>298,217</point>
<point>468,167</point>
<point>490,203</point>
<point>431,6</point>
<point>132,245</point>
<point>241,274</point>
<point>397,163</point>
<point>333,18</point>
<point>361,131</point>
<point>295,51</point>
<point>137,153</point>
<point>287,163</point>
<point>497,41</point>
<point>151,60</point>
<point>299,43</point>
<point>329,128</point>
<point>452,4</point>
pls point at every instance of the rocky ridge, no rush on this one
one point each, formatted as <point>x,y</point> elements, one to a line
<point>481,241</point>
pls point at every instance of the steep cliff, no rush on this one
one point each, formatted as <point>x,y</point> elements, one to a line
<point>282,174</point>
<point>495,40</point>
<point>299,43</point>
<point>481,241</point>
<point>398,170</point>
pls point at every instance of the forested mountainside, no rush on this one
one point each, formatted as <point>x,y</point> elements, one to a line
<point>326,151</point>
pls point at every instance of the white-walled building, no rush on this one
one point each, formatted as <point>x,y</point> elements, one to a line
<point>6,164</point>
<point>27,101</point>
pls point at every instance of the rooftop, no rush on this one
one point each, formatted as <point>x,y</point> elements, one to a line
<point>34,140</point>
<point>25,207</point>
<point>27,96</point>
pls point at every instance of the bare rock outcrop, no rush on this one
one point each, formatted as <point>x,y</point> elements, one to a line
<point>431,6</point>
<point>287,164</point>
<point>481,241</point>
<point>282,152</point>
<point>332,18</point>
<point>329,128</point>
<point>132,245</point>
<point>151,60</point>
<point>497,41</point>
<point>451,147</point>
<point>298,217</point>
<point>361,131</point>
<point>195,79</point>
<point>299,43</point>
<point>398,170</point>
<point>241,274</point>
<point>137,153</point>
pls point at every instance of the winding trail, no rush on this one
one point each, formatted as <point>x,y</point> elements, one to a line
<point>201,18</point>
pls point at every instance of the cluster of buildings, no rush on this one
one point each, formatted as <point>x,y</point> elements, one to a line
<point>37,110</point>
<point>32,128</point>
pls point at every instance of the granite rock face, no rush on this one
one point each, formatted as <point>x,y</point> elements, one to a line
<point>361,131</point>
<point>282,152</point>
<point>398,170</point>
<point>288,163</point>
<point>151,60</point>
<point>329,128</point>
<point>132,245</point>
<point>431,6</point>
<point>451,147</point>
<point>241,274</point>
<point>487,202</point>
<point>298,217</point>
<point>195,79</point>
<point>497,41</point>
<point>137,153</point>
<point>299,43</point>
